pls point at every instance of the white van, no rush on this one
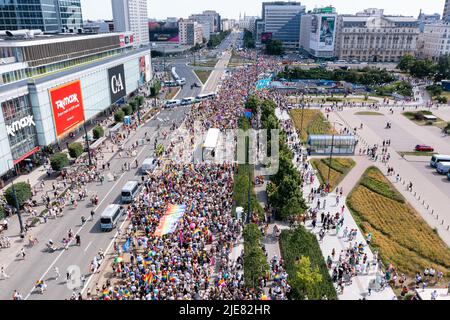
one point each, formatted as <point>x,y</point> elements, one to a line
<point>181,82</point>
<point>443,167</point>
<point>438,158</point>
<point>130,191</point>
<point>148,165</point>
<point>110,217</point>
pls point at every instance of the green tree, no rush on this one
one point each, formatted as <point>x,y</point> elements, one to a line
<point>134,106</point>
<point>252,103</point>
<point>443,68</point>
<point>127,109</point>
<point>2,213</point>
<point>307,278</point>
<point>406,62</point>
<point>154,91</point>
<point>423,68</point>
<point>119,116</point>
<point>23,194</point>
<point>140,99</point>
<point>98,132</point>
<point>75,149</point>
<point>59,161</point>
<point>274,47</point>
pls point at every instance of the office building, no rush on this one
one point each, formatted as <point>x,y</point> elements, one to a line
<point>100,26</point>
<point>282,22</point>
<point>49,16</point>
<point>190,32</point>
<point>259,30</point>
<point>50,85</point>
<point>318,33</point>
<point>446,14</point>
<point>435,40</point>
<point>372,36</point>
<point>131,15</point>
<point>210,18</point>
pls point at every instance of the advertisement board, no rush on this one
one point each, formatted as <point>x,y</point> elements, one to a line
<point>144,69</point>
<point>117,86</point>
<point>327,28</point>
<point>67,107</point>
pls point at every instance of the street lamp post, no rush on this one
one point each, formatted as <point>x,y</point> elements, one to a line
<point>87,144</point>
<point>332,150</point>
<point>16,202</point>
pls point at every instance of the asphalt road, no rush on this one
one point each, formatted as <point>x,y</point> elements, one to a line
<point>39,263</point>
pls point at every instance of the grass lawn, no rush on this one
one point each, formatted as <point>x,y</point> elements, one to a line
<point>237,61</point>
<point>203,75</point>
<point>438,123</point>
<point>210,63</point>
<point>368,113</point>
<point>340,167</point>
<point>295,244</point>
<point>417,153</point>
<point>173,91</point>
<point>313,122</point>
<point>240,191</point>
<point>400,234</point>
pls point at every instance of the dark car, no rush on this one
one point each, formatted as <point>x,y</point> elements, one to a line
<point>422,147</point>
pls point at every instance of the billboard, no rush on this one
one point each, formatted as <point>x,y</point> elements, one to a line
<point>144,69</point>
<point>117,86</point>
<point>67,107</point>
<point>327,27</point>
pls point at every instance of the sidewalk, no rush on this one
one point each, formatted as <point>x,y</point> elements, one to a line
<point>358,289</point>
<point>35,179</point>
<point>427,199</point>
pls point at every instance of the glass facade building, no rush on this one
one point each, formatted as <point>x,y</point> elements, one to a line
<point>282,20</point>
<point>51,16</point>
<point>321,145</point>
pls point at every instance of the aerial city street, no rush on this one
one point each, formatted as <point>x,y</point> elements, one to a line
<point>298,153</point>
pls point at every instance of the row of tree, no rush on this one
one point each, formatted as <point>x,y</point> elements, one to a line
<point>128,109</point>
<point>426,68</point>
<point>249,42</point>
<point>217,38</point>
<point>284,191</point>
<point>365,76</point>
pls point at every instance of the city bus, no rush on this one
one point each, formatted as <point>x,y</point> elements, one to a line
<point>443,167</point>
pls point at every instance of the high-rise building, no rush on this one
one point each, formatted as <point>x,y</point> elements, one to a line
<point>209,17</point>
<point>49,16</point>
<point>446,15</point>
<point>318,32</point>
<point>131,15</point>
<point>282,22</point>
<point>190,32</point>
<point>372,36</point>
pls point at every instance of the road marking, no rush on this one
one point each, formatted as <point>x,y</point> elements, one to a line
<point>79,230</point>
<point>88,246</point>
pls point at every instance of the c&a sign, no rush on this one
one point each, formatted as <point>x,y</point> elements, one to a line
<point>117,87</point>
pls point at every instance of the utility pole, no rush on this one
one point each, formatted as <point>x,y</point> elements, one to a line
<point>87,144</point>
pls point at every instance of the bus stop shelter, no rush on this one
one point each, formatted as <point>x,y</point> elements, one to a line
<point>324,145</point>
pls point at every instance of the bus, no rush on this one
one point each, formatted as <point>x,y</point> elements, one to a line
<point>443,167</point>
<point>438,158</point>
<point>130,191</point>
<point>206,96</point>
<point>172,103</point>
<point>187,101</point>
<point>110,217</point>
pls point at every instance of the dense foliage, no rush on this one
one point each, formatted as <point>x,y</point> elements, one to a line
<point>296,245</point>
<point>419,68</point>
<point>119,116</point>
<point>59,161</point>
<point>366,76</point>
<point>22,193</point>
<point>217,38</point>
<point>403,88</point>
<point>274,47</point>
<point>255,261</point>
<point>75,149</point>
<point>249,42</point>
<point>98,132</point>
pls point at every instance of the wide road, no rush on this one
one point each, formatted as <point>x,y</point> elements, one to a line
<point>40,264</point>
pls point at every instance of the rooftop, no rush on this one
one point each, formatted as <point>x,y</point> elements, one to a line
<point>17,41</point>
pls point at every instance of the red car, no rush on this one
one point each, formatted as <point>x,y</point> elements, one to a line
<point>422,147</point>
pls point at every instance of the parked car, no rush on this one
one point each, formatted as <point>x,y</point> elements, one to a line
<point>422,147</point>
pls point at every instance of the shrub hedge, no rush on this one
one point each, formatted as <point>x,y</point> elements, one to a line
<point>59,161</point>
<point>255,261</point>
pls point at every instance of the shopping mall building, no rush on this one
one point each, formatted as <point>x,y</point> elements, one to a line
<point>50,85</point>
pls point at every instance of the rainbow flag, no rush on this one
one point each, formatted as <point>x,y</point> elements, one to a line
<point>169,221</point>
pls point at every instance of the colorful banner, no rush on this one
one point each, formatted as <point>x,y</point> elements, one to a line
<point>67,106</point>
<point>327,31</point>
<point>169,221</point>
